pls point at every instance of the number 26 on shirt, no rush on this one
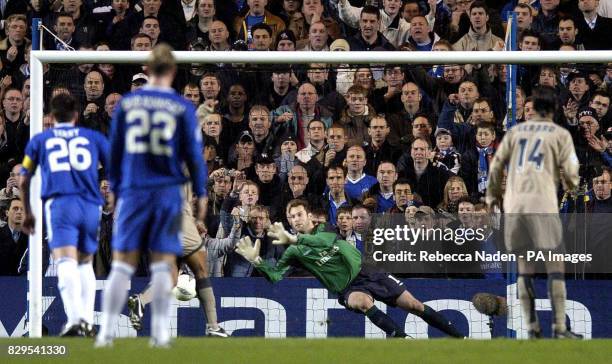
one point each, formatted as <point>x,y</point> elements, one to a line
<point>66,155</point>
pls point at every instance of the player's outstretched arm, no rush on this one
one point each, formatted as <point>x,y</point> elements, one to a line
<point>250,252</point>
<point>281,236</point>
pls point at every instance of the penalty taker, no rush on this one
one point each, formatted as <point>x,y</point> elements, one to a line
<point>338,266</point>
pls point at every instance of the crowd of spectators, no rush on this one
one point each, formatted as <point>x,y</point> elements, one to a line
<point>352,140</point>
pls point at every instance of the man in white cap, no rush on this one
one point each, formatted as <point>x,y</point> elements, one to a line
<point>138,80</point>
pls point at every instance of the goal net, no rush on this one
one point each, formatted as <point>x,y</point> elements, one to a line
<point>343,90</point>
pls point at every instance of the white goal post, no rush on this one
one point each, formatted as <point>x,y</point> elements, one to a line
<point>38,58</point>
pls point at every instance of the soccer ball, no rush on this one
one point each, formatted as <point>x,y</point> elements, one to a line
<point>185,288</point>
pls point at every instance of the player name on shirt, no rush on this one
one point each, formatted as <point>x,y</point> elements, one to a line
<point>66,133</point>
<point>536,127</point>
<point>153,102</point>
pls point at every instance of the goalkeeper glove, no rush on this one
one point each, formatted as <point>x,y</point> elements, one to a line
<point>280,235</point>
<point>249,251</point>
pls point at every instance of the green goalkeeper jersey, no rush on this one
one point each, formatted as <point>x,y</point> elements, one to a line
<point>334,262</point>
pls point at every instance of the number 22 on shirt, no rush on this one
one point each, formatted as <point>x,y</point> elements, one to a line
<point>159,126</point>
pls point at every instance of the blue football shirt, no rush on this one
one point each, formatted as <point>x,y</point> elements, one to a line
<point>356,189</point>
<point>68,157</point>
<point>154,133</point>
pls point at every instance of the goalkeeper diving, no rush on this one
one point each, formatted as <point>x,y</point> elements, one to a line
<point>338,266</point>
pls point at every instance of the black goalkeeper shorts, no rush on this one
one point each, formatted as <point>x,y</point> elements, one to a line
<point>381,286</point>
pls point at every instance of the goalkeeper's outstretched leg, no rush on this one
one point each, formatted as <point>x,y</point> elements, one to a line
<point>407,302</point>
<point>364,303</point>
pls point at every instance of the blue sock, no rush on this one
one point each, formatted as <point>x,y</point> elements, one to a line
<point>384,322</point>
<point>435,319</point>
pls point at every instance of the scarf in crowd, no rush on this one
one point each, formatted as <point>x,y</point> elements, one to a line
<point>484,157</point>
<point>447,159</point>
<point>445,153</point>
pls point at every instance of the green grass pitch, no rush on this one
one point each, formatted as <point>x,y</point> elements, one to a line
<point>333,351</point>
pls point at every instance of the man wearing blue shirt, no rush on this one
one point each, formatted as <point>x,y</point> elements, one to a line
<point>386,176</point>
<point>357,182</point>
<point>68,157</point>
<point>154,133</point>
<point>335,195</point>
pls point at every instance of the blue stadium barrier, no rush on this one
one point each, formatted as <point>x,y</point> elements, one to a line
<point>301,307</point>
